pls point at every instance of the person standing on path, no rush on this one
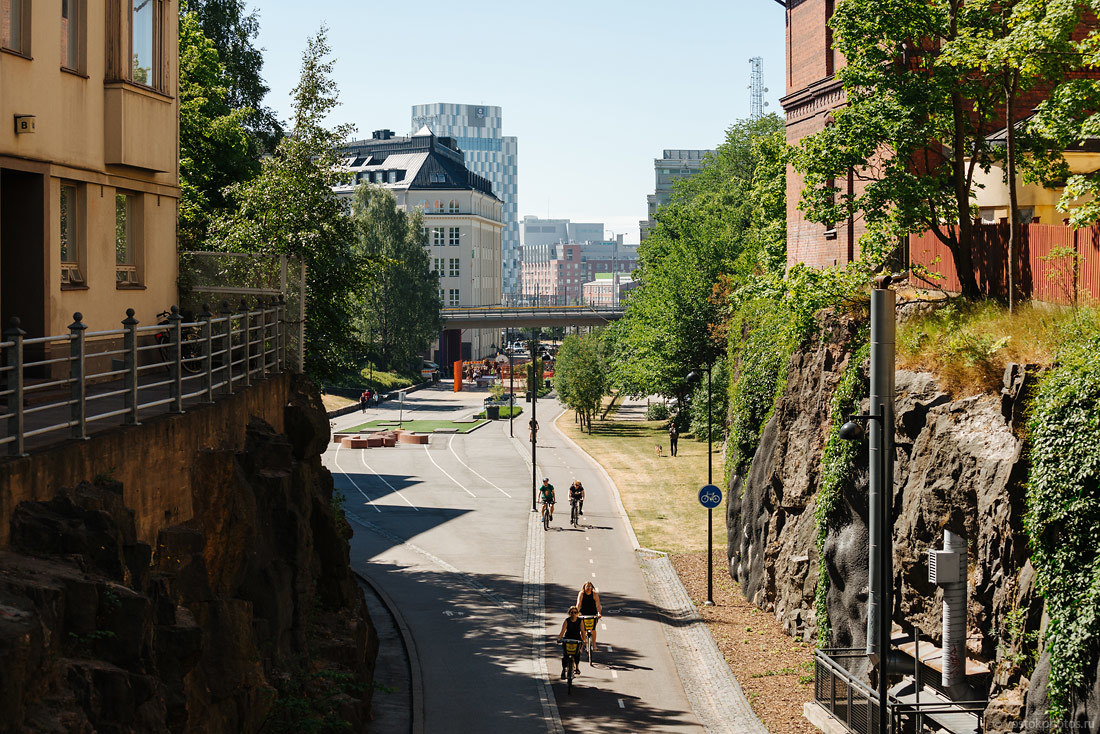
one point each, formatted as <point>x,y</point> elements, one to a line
<point>673,437</point>
<point>363,400</point>
<point>588,601</point>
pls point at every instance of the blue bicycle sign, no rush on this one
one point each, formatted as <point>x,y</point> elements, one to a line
<point>710,496</point>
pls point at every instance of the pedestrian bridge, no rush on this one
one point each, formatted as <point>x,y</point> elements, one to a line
<point>487,317</point>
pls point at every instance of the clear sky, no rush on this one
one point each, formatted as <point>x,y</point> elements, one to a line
<point>593,90</point>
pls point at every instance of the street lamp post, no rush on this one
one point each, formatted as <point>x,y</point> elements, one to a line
<point>692,378</point>
<point>533,386</point>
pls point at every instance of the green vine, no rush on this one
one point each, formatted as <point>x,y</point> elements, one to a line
<point>837,465</point>
<point>1063,516</point>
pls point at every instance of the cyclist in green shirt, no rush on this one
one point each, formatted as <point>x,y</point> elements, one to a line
<point>546,494</point>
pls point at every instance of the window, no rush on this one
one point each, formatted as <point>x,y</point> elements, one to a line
<point>453,207</point>
<point>437,236</point>
<point>15,28</point>
<point>71,34</point>
<point>437,265</point>
<point>452,297</point>
<point>72,235</point>
<point>453,236</point>
<point>127,238</point>
<point>454,270</point>
<point>144,42</point>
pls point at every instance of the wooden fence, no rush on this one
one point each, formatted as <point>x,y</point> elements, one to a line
<point>1055,263</point>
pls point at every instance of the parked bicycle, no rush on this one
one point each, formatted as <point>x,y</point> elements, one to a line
<point>191,342</point>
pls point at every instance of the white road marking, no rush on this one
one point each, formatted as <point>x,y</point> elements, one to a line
<point>608,648</point>
<point>591,561</point>
<point>437,466</point>
<point>460,461</point>
<point>336,462</point>
<point>614,674</point>
<point>603,625</point>
<point>593,575</point>
<point>363,457</point>
<point>621,704</point>
<point>589,547</point>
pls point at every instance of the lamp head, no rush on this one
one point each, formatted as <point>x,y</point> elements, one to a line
<point>693,377</point>
<point>851,431</point>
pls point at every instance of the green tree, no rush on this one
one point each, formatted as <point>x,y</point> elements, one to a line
<point>914,129</point>
<point>290,208</point>
<point>214,145</point>
<point>719,404</point>
<point>233,31</point>
<point>580,375</point>
<point>399,308</point>
<point>722,225</point>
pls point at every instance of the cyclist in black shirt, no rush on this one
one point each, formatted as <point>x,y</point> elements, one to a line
<point>576,494</point>
<point>574,630</point>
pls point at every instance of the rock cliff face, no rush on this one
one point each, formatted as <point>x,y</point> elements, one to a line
<point>960,464</point>
<point>238,621</point>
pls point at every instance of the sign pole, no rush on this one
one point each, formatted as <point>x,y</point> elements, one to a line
<point>710,497</point>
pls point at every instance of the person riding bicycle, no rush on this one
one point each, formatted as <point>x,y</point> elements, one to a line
<point>576,494</point>
<point>546,494</point>
<point>573,629</point>
<point>588,601</point>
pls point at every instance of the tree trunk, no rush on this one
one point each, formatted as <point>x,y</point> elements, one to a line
<point>962,253</point>
<point>1011,81</point>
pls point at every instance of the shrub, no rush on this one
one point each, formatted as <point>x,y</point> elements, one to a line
<point>657,412</point>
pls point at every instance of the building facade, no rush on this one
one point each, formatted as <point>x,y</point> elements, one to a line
<point>477,130</point>
<point>673,165</point>
<point>607,289</point>
<point>89,175</point>
<point>554,274</point>
<point>463,222</point>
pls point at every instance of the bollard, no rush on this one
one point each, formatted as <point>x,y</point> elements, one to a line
<point>175,370</point>
<point>15,384</point>
<point>79,401</point>
<point>130,343</point>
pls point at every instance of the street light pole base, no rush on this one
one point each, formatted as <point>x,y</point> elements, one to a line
<point>708,603</point>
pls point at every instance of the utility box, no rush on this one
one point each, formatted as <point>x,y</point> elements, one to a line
<point>24,124</point>
<point>945,567</point>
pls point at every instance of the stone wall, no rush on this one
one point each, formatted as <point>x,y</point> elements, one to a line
<point>152,462</point>
<point>960,464</point>
<point>246,618</point>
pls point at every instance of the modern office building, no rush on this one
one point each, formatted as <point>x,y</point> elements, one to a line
<point>463,221</point>
<point>537,231</point>
<point>477,130</point>
<point>674,164</point>
<point>89,162</point>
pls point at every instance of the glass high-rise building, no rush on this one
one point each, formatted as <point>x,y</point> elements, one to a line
<point>477,131</point>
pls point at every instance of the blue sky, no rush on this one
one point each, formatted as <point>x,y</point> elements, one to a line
<point>593,90</point>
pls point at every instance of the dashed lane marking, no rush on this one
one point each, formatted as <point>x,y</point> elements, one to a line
<point>475,471</point>
<point>336,462</point>
<point>603,625</point>
<point>395,490</point>
<point>621,704</point>
<point>614,674</point>
<point>437,466</point>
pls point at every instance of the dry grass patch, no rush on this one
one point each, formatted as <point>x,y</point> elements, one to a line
<point>335,402</point>
<point>660,493</point>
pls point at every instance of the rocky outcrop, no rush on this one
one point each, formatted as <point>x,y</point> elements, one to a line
<point>960,464</point>
<point>247,607</point>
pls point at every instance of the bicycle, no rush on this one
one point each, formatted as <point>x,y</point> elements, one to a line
<point>574,513</point>
<point>589,625</point>
<point>191,344</point>
<point>569,655</point>
<point>545,515</point>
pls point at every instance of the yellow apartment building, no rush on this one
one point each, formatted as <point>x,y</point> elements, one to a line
<point>89,161</point>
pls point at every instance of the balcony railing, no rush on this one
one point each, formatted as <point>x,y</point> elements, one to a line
<point>65,386</point>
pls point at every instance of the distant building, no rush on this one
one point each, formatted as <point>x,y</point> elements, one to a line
<point>463,221</point>
<point>607,289</point>
<point>490,154</point>
<point>89,165</point>
<point>555,273</point>
<point>537,231</point>
<point>672,166</point>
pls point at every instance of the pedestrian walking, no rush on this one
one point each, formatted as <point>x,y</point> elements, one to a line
<point>673,437</point>
<point>363,400</point>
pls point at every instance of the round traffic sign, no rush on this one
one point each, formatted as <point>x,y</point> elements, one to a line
<point>710,496</point>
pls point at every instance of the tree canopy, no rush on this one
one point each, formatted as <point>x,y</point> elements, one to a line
<point>580,374</point>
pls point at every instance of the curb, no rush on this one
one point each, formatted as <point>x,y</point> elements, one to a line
<point>416,676</point>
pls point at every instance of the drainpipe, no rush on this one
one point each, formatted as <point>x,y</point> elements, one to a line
<point>947,569</point>
<point>881,461</point>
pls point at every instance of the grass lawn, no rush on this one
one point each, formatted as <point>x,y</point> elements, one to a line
<point>505,411</point>
<point>335,402</point>
<point>660,493</point>
<point>417,426</point>
<point>386,381</point>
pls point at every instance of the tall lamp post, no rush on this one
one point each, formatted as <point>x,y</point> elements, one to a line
<point>692,378</point>
<point>532,385</point>
<point>880,489</point>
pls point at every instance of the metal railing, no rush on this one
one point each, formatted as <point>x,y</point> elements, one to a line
<point>855,704</point>
<point>53,387</point>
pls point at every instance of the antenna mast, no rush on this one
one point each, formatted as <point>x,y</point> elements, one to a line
<point>756,88</point>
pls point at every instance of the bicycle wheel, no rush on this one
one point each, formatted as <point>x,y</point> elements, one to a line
<point>574,516</point>
<point>545,520</point>
<point>589,650</point>
<point>569,682</point>
<point>191,356</point>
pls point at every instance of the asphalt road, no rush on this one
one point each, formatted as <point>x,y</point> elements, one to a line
<point>447,531</point>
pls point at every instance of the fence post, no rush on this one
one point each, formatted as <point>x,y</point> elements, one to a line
<point>79,402</point>
<point>207,335</point>
<point>15,385</point>
<point>247,317</point>
<point>175,366</point>
<point>263,338</point>
<point>280,333</point>
<point>131,360</point>
<point>227,313</point>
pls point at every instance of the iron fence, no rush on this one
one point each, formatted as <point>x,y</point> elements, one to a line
<point>54,387</point>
